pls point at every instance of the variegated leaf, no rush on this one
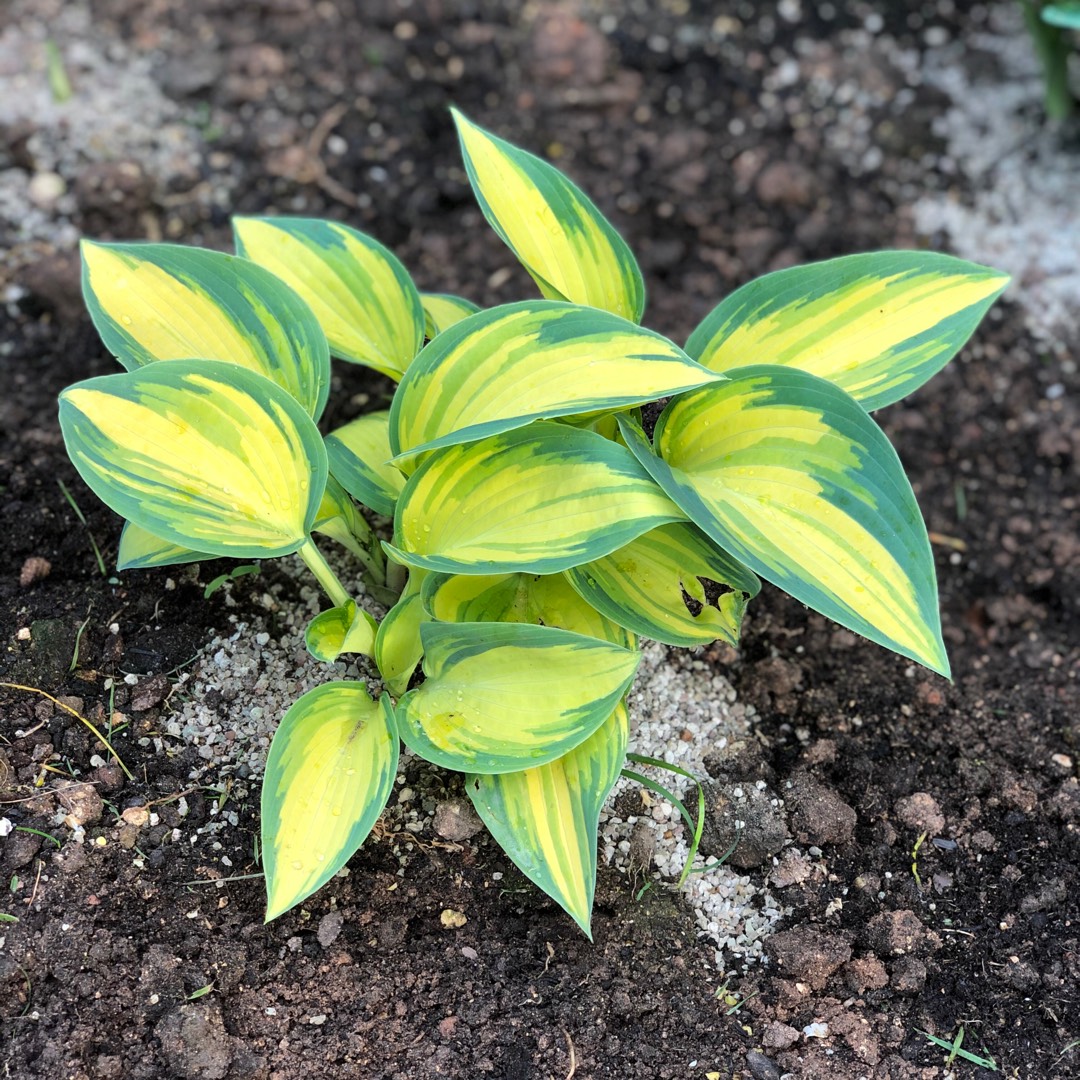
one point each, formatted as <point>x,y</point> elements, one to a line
<point>337,518</point>
<point>362,296</point>
<point>652,586</point>
<point>142,550</point>
<point>877,325</point>
<point>788,473</point>
<point>553,228</point>
<point>344,629</point>
<point>359,455</point>
<point>398,647</point>
<point>502,368</point>
<point>546,818</point>
<point>167,302</point>
<point>540,599</point>
<point>505,696</point>
<point>203,454</point>
<point>441,311</point>
<point>538,499</point>
<point>330,771</point>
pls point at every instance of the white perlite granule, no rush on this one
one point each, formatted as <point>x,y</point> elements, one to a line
<point>681,710</point>
<point>230,702</point>
<point>116,112</point>
<point>1024,214</point>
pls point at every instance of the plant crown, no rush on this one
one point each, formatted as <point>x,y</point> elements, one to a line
<point>538,528</point>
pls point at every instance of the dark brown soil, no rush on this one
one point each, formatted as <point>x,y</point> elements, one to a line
<point>714,177</point>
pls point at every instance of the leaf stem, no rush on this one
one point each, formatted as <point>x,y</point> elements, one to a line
<point>1053,50</point>
<point>326,577</point>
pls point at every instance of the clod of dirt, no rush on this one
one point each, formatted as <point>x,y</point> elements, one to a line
<point>865,973</point>
<point>108,778</point>
<point>1052,895</point>
<point>777,1036</point>
<point>565,47</point>
<point>329,928</point>
<point>899,933</point>
<point>808,955</point>
<point>194,1042</point>
<point>81,801</point>
<point>774,679</point>
<point>820,815</point>
<point>907,975</point>
<point>921,812</point>
<point>793,868</point>
<point>747,815</point>
<point>160,981</point>
<point>785,183</point>
<point>109,1067</point>
<point>456,820</point>
<point>53,283</point>
<point>18,851</point>
<point>741,759</point>
<point>1021,976</point>
<point>1066,803</point>
<point>149,692</point>
<point>761,1067</point>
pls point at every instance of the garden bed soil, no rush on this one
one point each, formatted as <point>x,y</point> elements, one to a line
<point>937,885</point>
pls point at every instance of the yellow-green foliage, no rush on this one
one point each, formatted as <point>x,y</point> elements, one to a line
<point>537,528</point>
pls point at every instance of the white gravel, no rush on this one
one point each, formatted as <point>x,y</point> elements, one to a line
<point>1024,214</point>
<point>116,113</point>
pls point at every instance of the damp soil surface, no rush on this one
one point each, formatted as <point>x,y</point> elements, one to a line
<point>936,884</point>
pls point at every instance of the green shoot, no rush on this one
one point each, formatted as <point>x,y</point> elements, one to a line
<point>82,519</point>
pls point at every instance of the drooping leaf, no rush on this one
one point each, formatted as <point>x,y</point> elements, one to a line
<point>398,647</point>
<point>166,302</point>
<point>203,454</point>
<point>546,818</point>
<point>538,499</point>
<point>788,473</point>
<point>330,771</point>
<point>877,325</point>
<point>502,368</point>
<point>505,696</point>
<point>142,550</point>
<point>553,228</point>
<point>359,454</point>
<point>441,311</point>
<point>344,629</point>
<point>362,296</point>
<point>540,599</point>
<point>644,586</point>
